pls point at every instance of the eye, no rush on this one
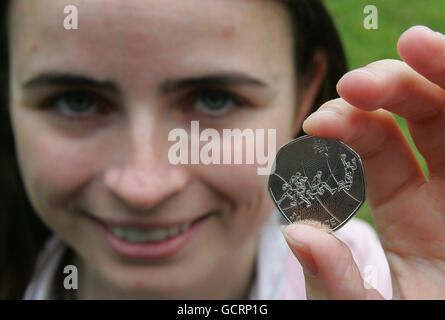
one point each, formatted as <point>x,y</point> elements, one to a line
<point>215,102</point>
<point>75,104</point>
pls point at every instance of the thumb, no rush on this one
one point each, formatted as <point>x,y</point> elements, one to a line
<point>329,268</point>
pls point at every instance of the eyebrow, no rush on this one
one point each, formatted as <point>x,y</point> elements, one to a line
<point>219,80</point>
<point>73,80</point>
<point>66,80</point>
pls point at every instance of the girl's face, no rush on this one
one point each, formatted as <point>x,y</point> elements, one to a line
<point>92,109</point>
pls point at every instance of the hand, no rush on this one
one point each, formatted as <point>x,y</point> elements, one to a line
<point>408,209</point>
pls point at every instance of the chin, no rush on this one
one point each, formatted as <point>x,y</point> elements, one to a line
<point>148,282</point>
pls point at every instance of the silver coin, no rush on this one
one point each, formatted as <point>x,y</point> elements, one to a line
<point>319,180</point>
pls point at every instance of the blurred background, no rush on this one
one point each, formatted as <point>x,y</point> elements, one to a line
<point>364,46</point>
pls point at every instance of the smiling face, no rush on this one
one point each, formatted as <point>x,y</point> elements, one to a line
<point>91,111</point>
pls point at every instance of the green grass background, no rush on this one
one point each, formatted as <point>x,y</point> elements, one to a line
<point>364,46</point>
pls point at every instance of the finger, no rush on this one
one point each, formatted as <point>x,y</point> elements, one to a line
<point>395,86</point>
<point>391,168</point>
<point>424,50</point>
<point>330,270</point>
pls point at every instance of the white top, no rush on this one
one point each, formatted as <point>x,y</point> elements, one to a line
<point>278,276</point>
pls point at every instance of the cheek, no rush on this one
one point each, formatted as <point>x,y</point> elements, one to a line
<point>247,193</point>
<point>54,167</point>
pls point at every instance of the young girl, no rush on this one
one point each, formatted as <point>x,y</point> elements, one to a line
<point>91,109</point>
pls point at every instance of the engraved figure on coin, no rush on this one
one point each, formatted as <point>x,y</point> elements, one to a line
<point>320,147</point>
<point>288,192</point>
<point>300,189</point>
<point>302,195</point>
<point>349,173</point>
<point>295,190</point>
<point>318,186</point>
<point>318,179</point>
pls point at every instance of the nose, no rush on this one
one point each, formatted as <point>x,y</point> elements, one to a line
<point>143,177</point>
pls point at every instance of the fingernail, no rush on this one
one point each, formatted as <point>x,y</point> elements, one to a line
<point>364,72</point>
<point>421,27</point>
<point>437,33</point>
<point>332,112</point>
<point>331,107</point>
<point>302,253</point>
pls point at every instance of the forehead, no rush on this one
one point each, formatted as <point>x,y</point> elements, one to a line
<point>156,36</point>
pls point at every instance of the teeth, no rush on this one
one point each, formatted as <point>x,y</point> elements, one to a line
<point>173,231</point>
<point>140,235</point>
<point>184,227</point>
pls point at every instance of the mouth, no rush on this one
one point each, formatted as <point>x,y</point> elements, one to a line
<point>139,235</point>
<point>152,234</point>
<point>149,242</point>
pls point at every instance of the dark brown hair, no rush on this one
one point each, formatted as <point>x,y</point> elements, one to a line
<point>22,234</point>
